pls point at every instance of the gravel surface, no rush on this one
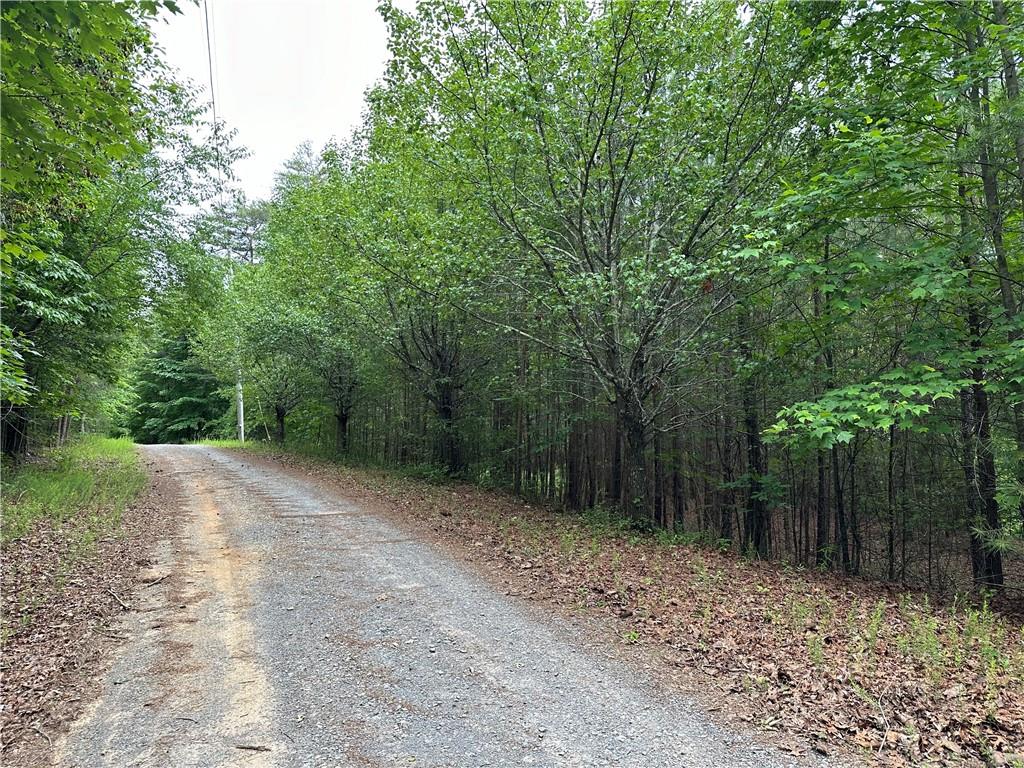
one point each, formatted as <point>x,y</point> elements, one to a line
<point>291,628</point>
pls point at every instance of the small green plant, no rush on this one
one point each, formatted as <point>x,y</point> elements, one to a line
<point>815,648</point>
<point>606,522</point>
<point>799,610</point>
<point>568,541</point>
<point>863,695</point>
<point>582,597</point>
<point>700,569</point>
<point>875,625</point>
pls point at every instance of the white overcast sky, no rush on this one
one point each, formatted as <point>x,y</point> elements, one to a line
<point>285,71</point>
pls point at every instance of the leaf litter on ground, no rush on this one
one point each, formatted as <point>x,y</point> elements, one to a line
<point>833,664</point>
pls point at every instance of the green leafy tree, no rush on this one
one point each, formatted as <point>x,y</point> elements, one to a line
<point>177,399</point>
<point>99,156</point>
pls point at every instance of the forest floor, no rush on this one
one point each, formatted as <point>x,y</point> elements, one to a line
<point>824,664</point>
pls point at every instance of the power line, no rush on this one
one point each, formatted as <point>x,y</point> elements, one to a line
<point>215,47</point>
<point>209,63</point>
<point>239,393</point>
<point>210,42</point>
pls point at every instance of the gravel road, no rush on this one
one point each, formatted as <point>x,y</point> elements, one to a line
<point>288,627</point>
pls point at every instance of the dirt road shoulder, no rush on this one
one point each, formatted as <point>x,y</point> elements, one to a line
<point>61,607</point>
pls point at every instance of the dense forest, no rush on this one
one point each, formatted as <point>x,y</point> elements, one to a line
<point>750,273</point>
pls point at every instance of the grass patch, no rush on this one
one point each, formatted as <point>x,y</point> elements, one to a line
<point>89,482</point>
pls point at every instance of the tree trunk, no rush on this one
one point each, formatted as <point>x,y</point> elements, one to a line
<point>678,485</point>
<point>727,503</point>
<point>63,429</point>
<point>341,431</point>
<point>842,546</point>
<point>842,538</point>
<point>891,504</point>
<point>634,485</point>
<point>855,537</point>
<point>757,513</point>
<point>279,416</point>
<point>756,522</point>
<point>1011,82</point>
<point>615,470</point>
<point>574,464</point>
<point>449,447</point>
<point>660,518</point>
<point>994,207</point>
<point>980,477</point>
<point>822,555</point>
<point>14,430</point>
<point>986,558</point>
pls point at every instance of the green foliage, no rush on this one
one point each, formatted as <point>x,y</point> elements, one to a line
<point>587,252</point>
<point>651,225</point>
<point>72,106</point>
<point>177,400</point>
<point>71,111</point>
<point>898,398</point>
<point>87,484</point>
<point>99,157</point>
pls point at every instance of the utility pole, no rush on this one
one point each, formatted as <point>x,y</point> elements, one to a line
<point>239,395</point>
<point>240,407</point>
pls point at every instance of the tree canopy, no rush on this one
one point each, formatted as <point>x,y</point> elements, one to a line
<point>750,272</point>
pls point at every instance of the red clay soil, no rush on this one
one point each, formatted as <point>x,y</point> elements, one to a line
<point>835,665</point>
<point>60,611</point>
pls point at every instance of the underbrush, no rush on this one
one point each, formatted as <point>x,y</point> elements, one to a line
<point>88,483</point>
